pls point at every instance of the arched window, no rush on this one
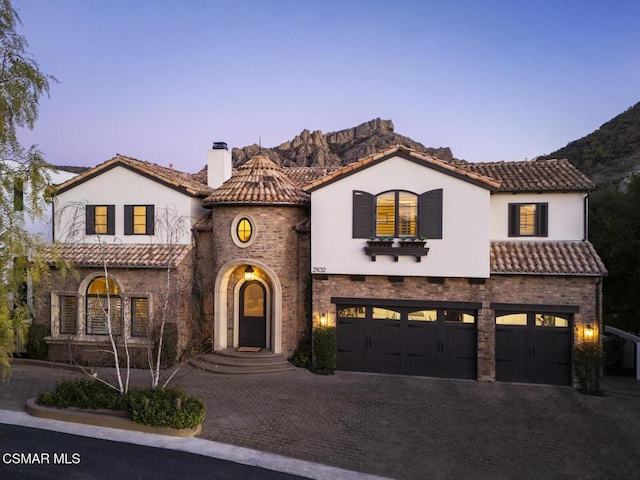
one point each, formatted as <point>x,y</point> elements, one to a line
<point>397,214</point>
<point>104,305</point>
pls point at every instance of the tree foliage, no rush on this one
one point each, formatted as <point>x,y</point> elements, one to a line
<point>615,233</point>
<point>24,181</point>
<point>609,153</point>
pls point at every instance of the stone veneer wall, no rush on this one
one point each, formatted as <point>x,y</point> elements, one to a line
<point>278,246</point>
<point>132,282</point>
<point>584,292</point>
<point>204,283</point>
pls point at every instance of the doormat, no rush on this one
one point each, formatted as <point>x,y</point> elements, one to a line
<point>248,349</point>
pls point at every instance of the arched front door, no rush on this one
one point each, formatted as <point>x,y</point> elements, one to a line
<point>253,318</point>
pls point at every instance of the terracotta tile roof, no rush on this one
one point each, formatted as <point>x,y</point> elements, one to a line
<point>173,178</point>
<point>534,175</point>
<point>546,258</point>
<point>406,152</point>
<point>258,182</point>
<point>301,176</point>
<point>123,254</point>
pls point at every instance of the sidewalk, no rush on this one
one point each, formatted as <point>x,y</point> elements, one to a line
<point>407,428</point>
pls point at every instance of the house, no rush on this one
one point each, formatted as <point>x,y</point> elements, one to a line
<point>478,271</point>
<point>126,226</point>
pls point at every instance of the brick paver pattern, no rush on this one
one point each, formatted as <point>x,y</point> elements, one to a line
<point>406,428</point>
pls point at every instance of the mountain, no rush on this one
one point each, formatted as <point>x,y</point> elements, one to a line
<point>611,154</point>
<point>337,148</point>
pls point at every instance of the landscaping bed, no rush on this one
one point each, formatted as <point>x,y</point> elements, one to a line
<point>167,411</point>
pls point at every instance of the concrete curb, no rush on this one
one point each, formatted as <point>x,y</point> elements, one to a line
<point>198,446</point>
<point>103,419</point>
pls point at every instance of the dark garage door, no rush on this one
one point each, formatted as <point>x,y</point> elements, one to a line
<point>533,347</point>
<point>407,340</point>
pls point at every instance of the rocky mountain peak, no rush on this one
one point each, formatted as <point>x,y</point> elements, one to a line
<point>337,148</point>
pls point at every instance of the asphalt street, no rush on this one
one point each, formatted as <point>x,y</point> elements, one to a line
<point>30,453</point>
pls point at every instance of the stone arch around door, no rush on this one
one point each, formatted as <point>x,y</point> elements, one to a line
<point>221,314</point>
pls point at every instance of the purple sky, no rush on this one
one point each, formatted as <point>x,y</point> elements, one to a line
<point>161,80</point>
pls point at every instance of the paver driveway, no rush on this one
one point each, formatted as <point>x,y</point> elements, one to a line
<point>409,428</point>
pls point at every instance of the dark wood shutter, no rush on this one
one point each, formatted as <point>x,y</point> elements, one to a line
<point>514,220</point>
<point>363,214</point>
<point>90,214</point>
<point>430,214</point>
<point>542,219</point>
<point>128,219</point>
<point>151,220</point>
<point>111,219</point>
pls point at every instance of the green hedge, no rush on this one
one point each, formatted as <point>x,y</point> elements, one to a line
<point>169,407</point>
<point>588,360</point>
<point>325,350</point>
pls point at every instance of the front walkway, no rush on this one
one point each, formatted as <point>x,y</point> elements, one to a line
<point>410,428</point>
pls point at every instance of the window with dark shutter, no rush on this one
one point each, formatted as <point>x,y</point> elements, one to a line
<point>528,219</point>
<point>430,214</point>
<point>139,219</point>
<point>100,219</point>
<point>363,214</point>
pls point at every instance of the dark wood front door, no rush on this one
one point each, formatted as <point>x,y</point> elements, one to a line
<point>253,318</point>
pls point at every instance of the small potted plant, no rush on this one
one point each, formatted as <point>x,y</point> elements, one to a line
<point>413,242</point>
<point>380,242</point>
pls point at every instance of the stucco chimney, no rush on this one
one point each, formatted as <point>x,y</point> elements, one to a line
<point>218,164</point>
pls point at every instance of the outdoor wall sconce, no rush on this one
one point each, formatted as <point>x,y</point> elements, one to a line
<point>324,319</point>
<point>589,333</point>
<point>248,273</point>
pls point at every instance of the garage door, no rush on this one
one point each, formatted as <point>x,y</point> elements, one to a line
<point>533,347</point>
<point>416,340</point>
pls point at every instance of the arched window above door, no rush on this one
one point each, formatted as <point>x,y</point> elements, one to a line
<point>104,307</point>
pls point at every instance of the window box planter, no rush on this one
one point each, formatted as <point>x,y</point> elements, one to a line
<point>412,243</point>
<point>380,242</point>
<point>407,248</point>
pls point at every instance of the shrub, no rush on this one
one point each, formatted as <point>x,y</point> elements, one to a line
<point>302,356</point>
<point>588,362</point>
<point>169,407</point>
<point>325,350</point>
<point>84,394</point>
<point>36,347</point>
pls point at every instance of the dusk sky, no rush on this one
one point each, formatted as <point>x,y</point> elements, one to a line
<point>161,80</point>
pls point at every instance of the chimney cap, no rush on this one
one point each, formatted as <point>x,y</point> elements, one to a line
<point>219,146</point>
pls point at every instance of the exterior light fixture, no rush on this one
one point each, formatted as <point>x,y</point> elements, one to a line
<point>248,273</point>
<point>589,333</point>
<point>324,319</point>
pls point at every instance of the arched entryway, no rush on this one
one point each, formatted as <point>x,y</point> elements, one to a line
<point>268,285</point>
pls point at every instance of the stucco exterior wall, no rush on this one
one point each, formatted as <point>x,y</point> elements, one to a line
<point>120,186</point>
<point>566,215</point>
<point>462,252</point>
